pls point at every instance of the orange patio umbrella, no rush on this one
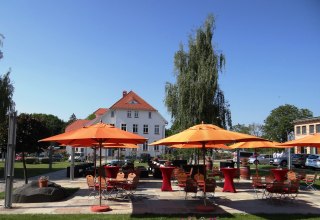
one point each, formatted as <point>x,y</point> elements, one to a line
<point>210,146</point>
<point>100,134</point>
<point>310,140</point>
<point>255,145</point>
<point>204,134</point>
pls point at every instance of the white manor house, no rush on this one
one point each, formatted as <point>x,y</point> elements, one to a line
<point>130,113</point>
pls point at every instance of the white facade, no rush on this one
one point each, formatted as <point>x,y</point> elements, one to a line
<point>142,120</point>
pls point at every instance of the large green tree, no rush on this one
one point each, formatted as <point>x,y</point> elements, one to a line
<point>279,124</point>
<point>196,96</point>
<point>52,123</point>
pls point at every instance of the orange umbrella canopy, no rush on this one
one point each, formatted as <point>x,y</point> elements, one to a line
<point>255,144</point>
<point>205,134</point>
<point>97,133</point>
<point>310,140</point>
<point>188,146</point>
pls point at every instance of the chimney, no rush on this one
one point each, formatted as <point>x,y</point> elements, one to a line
<point>124,93</point>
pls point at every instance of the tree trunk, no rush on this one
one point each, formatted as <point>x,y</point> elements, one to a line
<point>25,173</point>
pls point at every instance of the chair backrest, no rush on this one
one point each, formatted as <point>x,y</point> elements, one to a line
<point>210,185</point>
<point>311,177</point>
<point>198,177</point>
<point>182,178</point>
<point>90,181</point>
<point>103,181</point>
<point>120,176</point>
<point>291,175</point>
<point>191,186</point>
<point>131,176</point>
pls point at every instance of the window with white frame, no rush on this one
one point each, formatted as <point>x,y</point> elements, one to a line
<point>112,125</point>
<point>129,114</point>
<point>156,148</point>
<point>311,129</point>
<point>145,129</point>
<point>304,129</point>
<point>298,130</point>
<point>112,114</point>
<point>135,128</point>
<point>124,127</point>
<point>156,129</point>
<point>150,114</point>
<point>145,146</point>
<point>136,114</point>
<point>317,128</point>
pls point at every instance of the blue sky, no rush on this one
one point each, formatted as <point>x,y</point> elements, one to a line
<point>76,56</point>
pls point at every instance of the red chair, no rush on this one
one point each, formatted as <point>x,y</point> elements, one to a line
<point>190,187</point>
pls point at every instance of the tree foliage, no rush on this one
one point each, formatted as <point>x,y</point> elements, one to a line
<point>196,96</point>
<point>91,116</point>
<point>52,123</point>
<point>72,118</point>
<point>279,124</point>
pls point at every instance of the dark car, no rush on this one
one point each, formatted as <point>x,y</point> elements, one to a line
<point>299,160</point>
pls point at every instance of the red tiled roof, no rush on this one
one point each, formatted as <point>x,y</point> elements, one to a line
<point>101,111</point>
<point>132,101</point>
<point>76,124</point>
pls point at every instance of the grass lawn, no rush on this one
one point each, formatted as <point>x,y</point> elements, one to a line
<point>153,217</point>
<point>34,169</point>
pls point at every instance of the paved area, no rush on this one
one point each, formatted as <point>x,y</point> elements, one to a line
<point>150,199</point>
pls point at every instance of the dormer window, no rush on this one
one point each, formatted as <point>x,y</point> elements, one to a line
<point>133,102</point>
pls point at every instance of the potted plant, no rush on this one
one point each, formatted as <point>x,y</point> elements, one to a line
<point>43,181</point>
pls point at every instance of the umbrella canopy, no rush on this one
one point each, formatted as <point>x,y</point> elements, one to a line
<point>310,140</point>
<point>210,146</point>
<point>206,134</point>
<point>99,134</point>
<point>255,144</point>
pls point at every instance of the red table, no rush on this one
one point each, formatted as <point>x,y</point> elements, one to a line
<point>111,171</point>
<point>166,178</point>
<point>279,174</point>
<point>228,173</point>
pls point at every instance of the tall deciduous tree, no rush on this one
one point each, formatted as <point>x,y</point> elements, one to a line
<point>279,124</point>
<point>72,118</point>
<point>196,95</point>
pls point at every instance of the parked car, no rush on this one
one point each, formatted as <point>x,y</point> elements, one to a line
<point>261,159</point>
<point>243,155</point>
<point>280,161</point>
<point>78,157</point>
<point>313,161</point>
<point>57,157</point>
<point>299,160</point>
<point>116,163</point>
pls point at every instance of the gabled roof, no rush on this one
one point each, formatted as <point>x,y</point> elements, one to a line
<point>77,124</point>
<point>132,101</point>
<point>100,111</point>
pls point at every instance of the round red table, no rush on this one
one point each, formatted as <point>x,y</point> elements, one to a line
<point>279,174</point>
<point>111,171</point>
<point>166,178</point>
<point>228,173</point>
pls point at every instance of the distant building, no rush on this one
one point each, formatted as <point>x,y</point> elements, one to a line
<point>304,127</point>
<point>130,113</point>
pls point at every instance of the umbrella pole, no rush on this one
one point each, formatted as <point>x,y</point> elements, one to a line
<point>95,161</point>
<point>100,146</point>
<point>255,153</point>
<point>204,171</point>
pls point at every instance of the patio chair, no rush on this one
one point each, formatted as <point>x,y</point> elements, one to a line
<point>274,189</point>
<point>190,187</point>
<point>182,178</point>
<point>310,180</point>
<point>258,186</point>
<point>292,176</point>
<point>291,189</point>
<point>199,178</point>
<point>209,187</point>
<point>92,186</point>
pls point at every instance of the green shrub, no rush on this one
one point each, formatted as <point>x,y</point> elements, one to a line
<point>31,160</point>
<point>45,160</point>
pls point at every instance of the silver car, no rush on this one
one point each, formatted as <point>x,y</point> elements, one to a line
<point>261,159</point>
<point>313,161</point>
